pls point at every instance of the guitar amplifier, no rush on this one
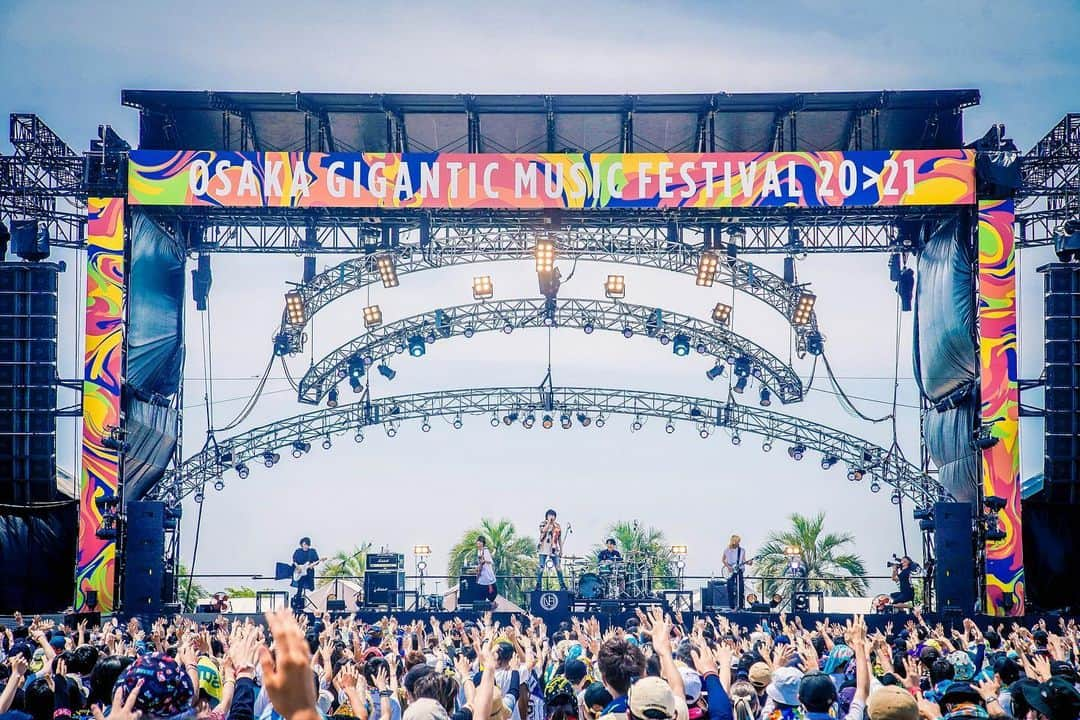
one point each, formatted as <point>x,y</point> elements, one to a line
<point>714,596</point>
<point>470,591</point>
<point>381,587</point>
<point>385,562</point>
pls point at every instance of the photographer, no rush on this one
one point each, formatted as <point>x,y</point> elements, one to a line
<point>901,574</point>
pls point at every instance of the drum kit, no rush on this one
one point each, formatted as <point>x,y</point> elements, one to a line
<point>613,579</point>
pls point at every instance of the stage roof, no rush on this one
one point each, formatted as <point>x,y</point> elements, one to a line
<point>700,122</point>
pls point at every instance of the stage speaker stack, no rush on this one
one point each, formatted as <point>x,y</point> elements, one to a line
<point>28,382</point>
<point>954,548</point>
<point>714,596</point>
<point>1062,371</point>
<point>384,577</point>
<point>144,558</point>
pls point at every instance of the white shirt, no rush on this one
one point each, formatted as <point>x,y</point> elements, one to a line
<point>487,568</point>
<point>732,556</point>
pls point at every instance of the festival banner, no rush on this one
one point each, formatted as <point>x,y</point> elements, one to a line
<point>1000,411</point>
<point>102,377</point>
<point>869,178</point>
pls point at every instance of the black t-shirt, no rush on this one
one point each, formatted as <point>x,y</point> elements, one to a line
<point>904,578</point>
<point>609,555</point>
<point>301,556</point>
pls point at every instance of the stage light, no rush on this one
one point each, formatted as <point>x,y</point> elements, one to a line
<point>995,534</point>
<point>628,332</point>
<point>664,338</point>
<point>789,270</point>
<point>482,288</point>
<point>508,327</point>
<point>636,425</point>
<point>654,322</point>
<point>399,347</point>
<point>704,432</point>
<point>510,418</point>
<point>679,550</point>
<point>295,312</point>
<point>584,419</point>
<point>994,503</point>
<point>828,461</point>
<point>735,439</point>
<point>458,423</point>
<point>815,344</point>
<point>706,269</point>
<point>875,486</point>
<point>332,398</point>
<point>680,345</point>
<point>669,428</point>
<point>714,372</point>
<point>469,331</point>
<point>387,270</point>
<point>855,474</point>
<point>905,288</point>
<point>615,287</point>
<point>742,366</point>
<point>199,497</point>
<point>528,420</point>
<point>544,252</point>
<point>300,448</point>
<point>417,346</point>
<point>425,426</point>
<point>767,445</point>
<point>219,484</point>
<point>326,444</point>
<point>547,421</point>
<point>984,440</point>
<point>796,452</point>
<point>894,497</point>
<point>494,420</point>
<point>372,316</point>
<point>430,337</point>
<point>358,437</point>
<point>282,344</point>
<point>242,471</point>
<point>804,308</point>
<point>588,327</point>
<point>695,411</point>
<point>765,397</point>
<point>270,458</point>
<point>740,385</point>
<point>565,421</point>
<point>356,368</point>
<point>391,431</point>
<point>757,372</point>
<point>387,372</point>
<point>721,314</point>
<point>600,421</point>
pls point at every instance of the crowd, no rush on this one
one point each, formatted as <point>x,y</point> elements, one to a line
<point>653,668</point>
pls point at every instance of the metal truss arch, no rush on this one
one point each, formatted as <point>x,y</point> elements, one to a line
<point>703,337</point>
<point>625,245</point>
<point>706,414</point>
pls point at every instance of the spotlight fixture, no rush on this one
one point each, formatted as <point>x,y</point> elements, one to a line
<point>417,346</point>
<point>615,286</point>
<point>528,421</point>
<point>704,432</point>
<point>828,461</point>
<point>894,497</point>
<point>584,419</point>
<point>714,372</point>
<point>547,421</point>
<point>695,411</point>
<point>358,437</point>
<point>565,421</point>
<point>332,398</point>
<point>430,337</point>
<point>636,425</point>
<point>804,308</point>
<point>326,444</point>
<point>796,452</point>
<point>421,550</point>
<point>295,312</point>
<point>740,385</point>
<point>219,484</point>
<point>469,331</point>
<point>815,343</point>
<point>680,345</point>
<point>664,338</point>
<point>742,366</point>
<point>701,347</point>
<point>678,550</point>
<point>508,327</point>
<point>855,474</point>
<point>765,397</point>
<point>721,314</point>
<point>735,439</point>
<point>391,429</point>
<point>457,422</point>
<point>387,270</point>
<point>399,347</point>
<point>994,503</point>
<point>300,448</point>
<point>984,440</point>
<point>588,327</point>
<point>387,372</point>
<point>767,445</point>
<point>270,458</point>
<point>199,497</point>
<point>494,420</point>
<point>425,426</point>
<point>510,418</point>
<point>706,269</point>
<point>628,332</point>
<point>242,471</point>
<point>670,427</point>
<point>545,255</point>
<point>482,288</point>
<point>875,486</point>
<point>372,316</point>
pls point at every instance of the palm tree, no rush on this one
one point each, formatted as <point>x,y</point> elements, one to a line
<point>834,572</point>
<point>514,555</point>
<point>189,591</point>
<point>240,592</point>
<point>644,541</point>
<point>345,564</point>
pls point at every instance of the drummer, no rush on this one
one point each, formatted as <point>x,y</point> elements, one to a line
<point>609,555</point>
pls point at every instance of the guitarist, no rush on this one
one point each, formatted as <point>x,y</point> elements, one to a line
<point>734,561</point>
<point>304,560</point>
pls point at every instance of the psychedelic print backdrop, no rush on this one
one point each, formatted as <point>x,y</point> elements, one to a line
<point>102,376</point>
<point>1000,410</point>
<point>537,181</point>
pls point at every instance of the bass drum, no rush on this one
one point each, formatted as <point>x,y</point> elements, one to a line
<point>590,587</point>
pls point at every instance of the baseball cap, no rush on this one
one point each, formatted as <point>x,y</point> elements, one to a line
<point>963,668</point>
<point>414,674</point>
<point>1055,698</point>
<point>652,698</point>
<point>209,680</point>
<point>596,695</point>
<point>691,684</point>
<point>760,675</point>
<point>425,709</point>
<point>960,692</point>
<point>575,671</point>
<point>816,691</point>
<point>784,688</point>
<point>1060,668</point>
<point>892,703</point>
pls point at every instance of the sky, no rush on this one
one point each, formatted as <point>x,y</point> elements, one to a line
<point>68,61</point>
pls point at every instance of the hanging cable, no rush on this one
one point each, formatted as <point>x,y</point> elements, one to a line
<point>252,400</point>
<point>845,400</point>
<point>195,549</point>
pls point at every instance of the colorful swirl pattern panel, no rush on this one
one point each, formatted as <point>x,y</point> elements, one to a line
<point>1000,403</point>
<point>875,178</point>
<point>102,377</point>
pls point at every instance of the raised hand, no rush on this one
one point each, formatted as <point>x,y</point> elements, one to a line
<point>122,708</point>
<point>287,672</point>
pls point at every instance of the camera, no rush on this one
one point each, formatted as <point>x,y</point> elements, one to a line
<point>895,563</point>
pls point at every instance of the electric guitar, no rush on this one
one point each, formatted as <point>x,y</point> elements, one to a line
<point>738,567</point>
<point>301,569</point>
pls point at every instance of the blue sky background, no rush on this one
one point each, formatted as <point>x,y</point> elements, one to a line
<point>68,61</point>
